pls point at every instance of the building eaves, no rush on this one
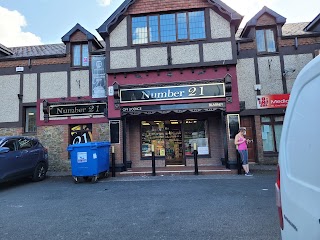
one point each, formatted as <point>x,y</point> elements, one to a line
<point>310,26</point>
<point>104,29</point>
<point>253,21</point>
<point>5,50</point>
<point>78,27</point>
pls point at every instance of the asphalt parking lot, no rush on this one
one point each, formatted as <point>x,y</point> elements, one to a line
<point>163,207</point>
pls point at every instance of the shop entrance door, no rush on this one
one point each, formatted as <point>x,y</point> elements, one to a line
<point>173,142</point>
<point>248,123</point>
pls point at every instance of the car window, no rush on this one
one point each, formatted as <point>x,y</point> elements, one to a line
<point>11,144</point>
<point>25,143</point>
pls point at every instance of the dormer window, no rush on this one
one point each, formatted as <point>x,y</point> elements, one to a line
<point>169,27</point>
<point>265,39</point>
<point>80,55</point>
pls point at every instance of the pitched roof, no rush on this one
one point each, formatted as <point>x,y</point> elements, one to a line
<point>36,51</point>
<point>288,29</point>
<point>5,50</point>
<point>313,24</point>
<point>78,27</point>
<point>104,29</point>
<point>253,21</point>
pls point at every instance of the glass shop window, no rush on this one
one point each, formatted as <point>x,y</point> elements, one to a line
<point>271,127</point>
<point>152,132</point>
<point>196,131</point>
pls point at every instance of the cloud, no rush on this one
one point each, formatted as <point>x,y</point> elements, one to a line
<point>11,30</point>
<point>104,3</point>
<point>249,8</point>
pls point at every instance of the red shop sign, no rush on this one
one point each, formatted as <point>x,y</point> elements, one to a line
<point>273,101</point>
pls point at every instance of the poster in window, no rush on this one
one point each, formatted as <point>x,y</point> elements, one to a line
<point>80,133</point>
<point>233,124</point>
<point>114,131</point>
<point>98,77</point>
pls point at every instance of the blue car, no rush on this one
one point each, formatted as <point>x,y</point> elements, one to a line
<point>22,157</point>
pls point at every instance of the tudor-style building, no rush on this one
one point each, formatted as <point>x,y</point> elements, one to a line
<point>172,80</point>
<point>271,54</point>
<point>168,75</point>
<point>50,92</point>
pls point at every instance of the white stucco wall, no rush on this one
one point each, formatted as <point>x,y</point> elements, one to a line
<point>153,56</point>
<point>246,81</point>
<point>9,104</point>
<point>118,37</point>
<point>270,75</point>
<point>29,88</point>
<point>123,59</point>
<point>220,27</point>
<point>296,62</point>
<point>217,51</point>
<point>185,54</point>
<point>80,83</point>
<point>53,85</point>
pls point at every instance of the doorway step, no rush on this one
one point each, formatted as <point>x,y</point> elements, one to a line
<point>176,170</point>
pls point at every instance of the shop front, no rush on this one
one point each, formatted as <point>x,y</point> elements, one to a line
<point>264,125</point>
<point>172,119</point>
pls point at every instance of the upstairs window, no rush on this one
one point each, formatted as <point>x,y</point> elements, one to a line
<point>80,55</point>
<point>266,42</point>
<point>168,27</point>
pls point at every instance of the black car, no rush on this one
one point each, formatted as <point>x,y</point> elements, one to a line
<point>22,157</point>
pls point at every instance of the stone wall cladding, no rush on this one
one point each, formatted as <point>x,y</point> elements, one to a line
<point>118,37</point>
<point>270,75</point>
<point>123,59</point>
<point>149,6</point>
<point>29,88</point>
<point>9,104</point>
<point>185,54</point>
<point>220,27</point>
<point>217,51</point>
<point>154,56</point>
<point>11,131</point>
<point>296,62</point>
<point>246,80</point>
<point>100,132</point>
<point>53,85</point>
<point>79,83</point>
<point>56,140</point>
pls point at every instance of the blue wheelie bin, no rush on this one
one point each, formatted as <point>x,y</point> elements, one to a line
<point>89,160</point>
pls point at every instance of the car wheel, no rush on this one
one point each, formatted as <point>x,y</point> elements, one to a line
<point>94,179</point>
<point>39,172</point>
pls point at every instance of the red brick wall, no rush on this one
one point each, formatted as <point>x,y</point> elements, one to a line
<point>78,36</point>
<point>148,6</point>
<point>36,62</point>
<point>266,19</point>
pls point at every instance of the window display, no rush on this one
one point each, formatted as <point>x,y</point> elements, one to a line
<point>195,131</point>
<point>152,132</point>
<point>169,137</point>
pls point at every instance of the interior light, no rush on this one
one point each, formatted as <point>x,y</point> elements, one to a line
<point>31,114</point>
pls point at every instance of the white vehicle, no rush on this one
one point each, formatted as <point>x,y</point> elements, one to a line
<point>298,182</point>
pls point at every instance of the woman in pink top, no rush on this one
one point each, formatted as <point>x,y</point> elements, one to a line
<point>241,142</point>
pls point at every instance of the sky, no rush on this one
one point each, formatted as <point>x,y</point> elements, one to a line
<point>36,22</point>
